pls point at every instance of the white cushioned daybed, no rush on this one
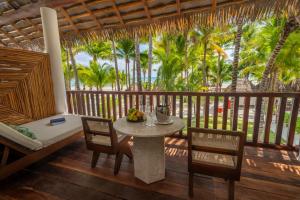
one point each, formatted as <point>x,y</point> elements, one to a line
<point>48,140</point>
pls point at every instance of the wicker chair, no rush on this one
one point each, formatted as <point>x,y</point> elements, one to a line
<point>100,137</point>
<point>216,153</point>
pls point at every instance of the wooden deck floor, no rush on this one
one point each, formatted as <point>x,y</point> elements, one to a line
<point>266,174</point>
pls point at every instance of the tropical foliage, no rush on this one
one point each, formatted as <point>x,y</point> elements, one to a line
<point>267,53</point>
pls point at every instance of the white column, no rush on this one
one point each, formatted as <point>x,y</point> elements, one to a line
<point>52,47</point>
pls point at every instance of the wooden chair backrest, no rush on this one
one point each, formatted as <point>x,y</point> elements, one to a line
<point>238,151</point>
<point>99,126</point>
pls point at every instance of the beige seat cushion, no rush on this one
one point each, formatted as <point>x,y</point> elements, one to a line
<point>105,140</point>
<point>215,140</point>
<point>214,159</point>
<point>15,136</point>
<point>48,134</point>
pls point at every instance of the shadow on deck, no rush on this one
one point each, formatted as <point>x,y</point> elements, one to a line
<point>266,174</point>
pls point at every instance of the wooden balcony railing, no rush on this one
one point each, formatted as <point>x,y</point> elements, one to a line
<point>268,119</point>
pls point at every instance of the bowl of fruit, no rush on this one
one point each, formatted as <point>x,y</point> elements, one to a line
<point>135,115</point>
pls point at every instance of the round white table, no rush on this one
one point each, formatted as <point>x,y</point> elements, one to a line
<point>148,146</point>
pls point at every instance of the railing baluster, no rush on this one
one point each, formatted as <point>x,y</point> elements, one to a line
<point>69,102</point>
<point>293,121</point>
<point>88,103</point>
<point>225,113</point>
<point>166,100</point>
<point>180,110</point>
<point>215,118</point>
<point>246,115</point>
<point>144,102</point>
<point>125,104</point>
<point>189,117</point>
<point>103,105</point>
<point>268,120</point>
<point>92,96</point>
<point>98,105</point>
<point>75,103</point>
<point>280,120</point>
<point>108,106</point>
<point>235,113</point>
<point>130,101</point>
<point>79,103</point>
<point>114,107</point>
<point>151,102</point>
<point>137,101</point>
<point>198,109</point>
<point>257,119</point>
<point>84,112</point>
<point>206,114</point>
<point>174,105</point>
<point>120,105</point>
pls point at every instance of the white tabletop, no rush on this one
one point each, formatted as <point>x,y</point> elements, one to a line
<point>122,126</point>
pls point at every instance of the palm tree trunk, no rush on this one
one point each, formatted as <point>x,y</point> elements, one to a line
<point>149,62</point>
<point>133,75</point>
<point>235,64</point>
<point>128,69</point>
<point>204,74</point>
<point>116,65</point>
<point>219,72</point>
<point>126,74</point>
<point>138,64</point>
<point>68,77</point>
<point>290,26</point>
<point>77,86</point>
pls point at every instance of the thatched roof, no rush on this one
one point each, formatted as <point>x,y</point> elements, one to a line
<point>20,22</point>
<point>243,85</point>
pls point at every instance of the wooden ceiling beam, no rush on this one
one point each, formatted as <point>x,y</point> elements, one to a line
<point>32,9</point>
<point>146,9</point>
<point>9,37</point>
<point>2,43</point>
<point>178,7</point>
<point>213,5</point>
<point>20,32</point>
<point>34,25</point>
<point>118,12</point>
<point>91,14</point>
<point>67,16</point>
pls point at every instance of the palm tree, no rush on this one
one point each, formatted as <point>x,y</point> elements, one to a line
<point>125,50</point>
<point>236,55</point>
<point>122,76</point>
<point>97,75</point>
<point>138,64</point>
<point>168,70</point>
<point>68,72</point>
<point>290,25</point>
<point>116,65</point>
<point>73,62</point>
<point>112,77</point>
<point>97,50</point>
<point>144,64</point>
<point>150,62</point>
<point>205,35</point>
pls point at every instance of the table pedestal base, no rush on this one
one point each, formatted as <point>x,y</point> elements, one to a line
<point>149,158</point>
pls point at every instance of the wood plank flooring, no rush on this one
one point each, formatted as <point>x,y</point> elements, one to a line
<point>266,174</point>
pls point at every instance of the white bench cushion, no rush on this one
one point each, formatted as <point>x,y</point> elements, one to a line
<point>48,134</point>
<point>15,136</point>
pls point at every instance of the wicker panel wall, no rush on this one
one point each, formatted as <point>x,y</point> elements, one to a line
<point>26,91</point>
